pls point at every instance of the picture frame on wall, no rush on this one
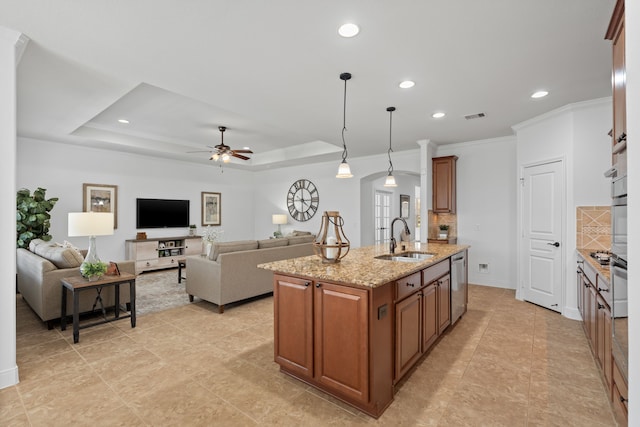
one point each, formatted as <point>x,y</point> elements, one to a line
<point>211,209</point>
<point>101,198</point>
<point>404,205</point>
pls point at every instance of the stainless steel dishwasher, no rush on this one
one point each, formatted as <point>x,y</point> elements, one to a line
<point>458,286</point>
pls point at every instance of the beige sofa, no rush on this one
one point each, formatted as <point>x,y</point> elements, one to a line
<point>231,274</point>
<point>39,271</point>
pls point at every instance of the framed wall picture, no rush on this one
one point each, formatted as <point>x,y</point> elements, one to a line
<point>101,198</point>
<point>404,205</point>
<point>211,209</point>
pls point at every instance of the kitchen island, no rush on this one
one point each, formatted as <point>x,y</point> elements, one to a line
<point>354,329</point>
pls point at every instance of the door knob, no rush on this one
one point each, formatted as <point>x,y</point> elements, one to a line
<point>556,244</point>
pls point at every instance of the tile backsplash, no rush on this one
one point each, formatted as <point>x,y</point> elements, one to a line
<point>436,219</point>
<point>593,227</point>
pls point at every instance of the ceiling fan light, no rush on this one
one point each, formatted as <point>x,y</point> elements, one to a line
<point>226,158</point>
<point>390,181</point>
<point>215,157</point>
<point>344,171</point>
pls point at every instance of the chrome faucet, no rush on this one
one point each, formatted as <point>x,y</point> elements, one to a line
<point>392,243</point>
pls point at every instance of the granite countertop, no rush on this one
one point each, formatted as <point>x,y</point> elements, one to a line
<point>361,268</point>
<point>602,270</point>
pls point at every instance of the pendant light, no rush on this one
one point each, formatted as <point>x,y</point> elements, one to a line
<point>344,171</point>
<point>390,181</point>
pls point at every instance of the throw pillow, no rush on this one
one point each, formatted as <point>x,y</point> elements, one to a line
<point>225,247</point>
<point>36,242</point>
<point>59,256</point>
<point>272,243</point>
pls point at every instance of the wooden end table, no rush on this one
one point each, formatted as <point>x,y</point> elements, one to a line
<point>182,263</point>
<point>77,284</point>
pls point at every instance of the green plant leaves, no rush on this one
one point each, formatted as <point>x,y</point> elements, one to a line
<point>32,216</point>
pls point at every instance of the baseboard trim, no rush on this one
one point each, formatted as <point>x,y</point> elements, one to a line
<point>571,313</point>
<point>9,377</point>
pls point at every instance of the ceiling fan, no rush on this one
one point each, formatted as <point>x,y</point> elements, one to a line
<point>224,152</point>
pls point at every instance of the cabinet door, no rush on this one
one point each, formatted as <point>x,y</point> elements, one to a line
<point>429,316</point>
<point>580,291</point>
<point>603,328</point>
<point>193,246</point>
<point>619,85</point>
<point>444,184</point>
<point>293,324</point>
<point>341,340</point>
<point>408,333</point>
<point>444,303</point>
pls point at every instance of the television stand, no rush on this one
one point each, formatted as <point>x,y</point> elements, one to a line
<point>161,252</point>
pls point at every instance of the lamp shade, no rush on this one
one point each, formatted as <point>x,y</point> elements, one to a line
<point>90,223</point>
<point>278,219</point>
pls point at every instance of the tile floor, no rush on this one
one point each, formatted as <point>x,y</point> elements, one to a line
<point>505,363</point>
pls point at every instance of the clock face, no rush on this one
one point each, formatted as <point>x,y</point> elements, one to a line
<point>302,200</point>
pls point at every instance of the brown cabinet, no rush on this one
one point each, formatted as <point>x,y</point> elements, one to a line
<point>444,184</point>
<point>409,319</point>
<point>337,338</point>
<point>620,396</point>
<point>596,316</point>
<point>341,340</point>
<point>423,312</point>
<point>616,33</point>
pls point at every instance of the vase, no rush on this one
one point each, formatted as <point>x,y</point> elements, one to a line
<point>208,248</point>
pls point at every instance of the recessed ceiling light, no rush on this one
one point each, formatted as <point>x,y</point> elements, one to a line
<point>438,115</point>
<point>540,94</point>
<point>348,30</point>
<point>125,121</point>
<point>407,84</point>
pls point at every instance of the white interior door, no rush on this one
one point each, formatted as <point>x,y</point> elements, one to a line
<point>542,197</point>
<point>382,216</point>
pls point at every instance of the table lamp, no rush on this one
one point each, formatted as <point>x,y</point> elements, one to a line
<point>278,219</point>
<point>90,224</point>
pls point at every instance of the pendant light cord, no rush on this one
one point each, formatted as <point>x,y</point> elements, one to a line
<point>344,120</point>
<point>390,110</point>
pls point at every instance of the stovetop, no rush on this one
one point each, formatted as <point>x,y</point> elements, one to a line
<point>602,257</point>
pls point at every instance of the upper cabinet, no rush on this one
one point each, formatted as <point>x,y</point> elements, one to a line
<point>444,184</point>
<point>616,33</point>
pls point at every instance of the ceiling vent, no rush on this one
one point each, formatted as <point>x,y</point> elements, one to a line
<point>474,116</point>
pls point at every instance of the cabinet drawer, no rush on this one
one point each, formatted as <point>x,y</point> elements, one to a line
<point>167,261</point>
<point>407,285</point>
<point>434,272</point>
<point>589,272</point>
<point>620,386</point>
<point>147,264</point>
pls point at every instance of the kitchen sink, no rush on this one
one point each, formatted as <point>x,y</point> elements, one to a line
<point>407,257</point>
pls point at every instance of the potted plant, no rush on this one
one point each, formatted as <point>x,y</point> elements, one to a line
<point>93,270</point>
<point>444,231</point>
<point>32,216</point>
<point>192,230</point>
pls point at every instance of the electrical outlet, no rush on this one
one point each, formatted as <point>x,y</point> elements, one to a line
<point>483,268</point>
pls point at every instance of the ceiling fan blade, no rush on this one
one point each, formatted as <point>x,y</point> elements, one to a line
<point>243,151</point>
<point>200,151</point>
<point>240,156</point>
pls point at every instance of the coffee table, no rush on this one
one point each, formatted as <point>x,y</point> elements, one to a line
<point>78,284</point>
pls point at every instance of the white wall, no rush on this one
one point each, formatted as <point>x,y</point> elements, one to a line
<point>62,169</point>
<point>343,195</point>
<point>486,207</point>
<point>577,134</point>
<point>11,45</point>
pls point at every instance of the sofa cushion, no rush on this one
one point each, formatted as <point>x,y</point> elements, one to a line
<point>272,243</point>
<point>296,240</point>
<point>225,247</point>
<point>36,242</point>
<point>295,233</point>
<point>60,256</point>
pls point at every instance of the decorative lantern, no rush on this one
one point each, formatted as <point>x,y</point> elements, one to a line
<point>331,244</point>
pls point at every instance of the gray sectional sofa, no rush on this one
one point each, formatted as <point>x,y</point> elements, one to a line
<point>230,273</point>
<point>39,270</point>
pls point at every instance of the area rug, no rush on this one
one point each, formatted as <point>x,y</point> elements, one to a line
<point>159,290</point>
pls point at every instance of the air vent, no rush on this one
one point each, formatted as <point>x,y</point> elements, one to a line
<point>474,116</point>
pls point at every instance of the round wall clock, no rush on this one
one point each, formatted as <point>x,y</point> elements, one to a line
<point>303,200</point>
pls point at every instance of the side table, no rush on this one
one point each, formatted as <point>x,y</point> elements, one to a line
<point>182,263</point>
<point>78,284</point>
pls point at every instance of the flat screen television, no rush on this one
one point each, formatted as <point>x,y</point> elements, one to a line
<point>162,213</point>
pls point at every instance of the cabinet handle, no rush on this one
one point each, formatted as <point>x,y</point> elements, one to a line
<point>600,306</point>
<point>580,262</point>
<point>622,399</point>
<point>318,285</point>
<point>622,137</point>
<point>586,285</point>
<point>603,290</point>
<point>307,284</point>
<point>411,284</point>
